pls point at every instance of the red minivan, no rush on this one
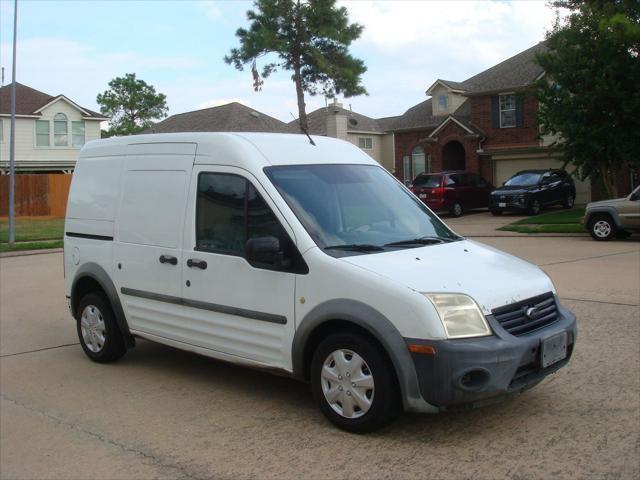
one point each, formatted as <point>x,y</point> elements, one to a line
<point>452,191</point>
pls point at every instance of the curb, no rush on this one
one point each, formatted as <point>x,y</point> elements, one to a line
<point>25,253</point>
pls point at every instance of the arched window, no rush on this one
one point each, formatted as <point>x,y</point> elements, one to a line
<point>60,130</point>
<point>418,161</point>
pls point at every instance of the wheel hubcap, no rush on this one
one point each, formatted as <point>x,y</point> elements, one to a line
<point>535,207</point>
<point>457,209</point>
<point>570,201</point>
<point>602,229</point>
<point>347,383</point>
<point>93,328</point>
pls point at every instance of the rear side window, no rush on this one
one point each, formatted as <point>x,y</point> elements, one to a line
<point>428,181</point>
<point>230,211</point>
<point>152,207</point>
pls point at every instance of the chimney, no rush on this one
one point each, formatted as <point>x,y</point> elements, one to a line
<point>336,121</point>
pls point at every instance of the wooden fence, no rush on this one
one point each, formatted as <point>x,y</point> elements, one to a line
<point>36,194</point>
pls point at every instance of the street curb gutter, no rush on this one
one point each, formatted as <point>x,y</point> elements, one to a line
<point>24,253</point>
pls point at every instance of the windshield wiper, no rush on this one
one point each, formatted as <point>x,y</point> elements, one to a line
<point>358,247</point>
<point>421,241</point>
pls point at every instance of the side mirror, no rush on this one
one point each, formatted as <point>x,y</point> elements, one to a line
<point>265,251</point>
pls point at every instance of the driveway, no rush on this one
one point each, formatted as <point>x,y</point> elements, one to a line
<point>162,413</point>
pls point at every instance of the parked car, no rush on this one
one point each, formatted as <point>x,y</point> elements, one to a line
<point>532,190</point>
<point>619,217</point>
<point>306,260</point>
<point>453,191</point>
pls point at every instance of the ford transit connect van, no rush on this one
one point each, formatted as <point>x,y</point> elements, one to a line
<point>309,260</point>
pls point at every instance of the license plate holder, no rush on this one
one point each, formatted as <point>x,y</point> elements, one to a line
<point>423,195</point>
<point>553,349</point>
<point>502,204</point>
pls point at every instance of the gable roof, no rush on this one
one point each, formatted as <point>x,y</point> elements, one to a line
<point>516,72</point>
<point>30,101</point>
<point>356,122</point>
<point>232,117</point>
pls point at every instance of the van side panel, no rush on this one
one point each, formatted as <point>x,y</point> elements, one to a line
<point>147,238</point>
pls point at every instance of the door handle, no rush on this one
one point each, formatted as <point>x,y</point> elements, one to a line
<point>194,263</point>
<point>168,259</point>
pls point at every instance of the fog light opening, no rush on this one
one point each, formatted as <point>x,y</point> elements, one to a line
<point>474,380</point>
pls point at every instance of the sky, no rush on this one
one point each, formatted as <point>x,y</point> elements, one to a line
<point>76,47</point>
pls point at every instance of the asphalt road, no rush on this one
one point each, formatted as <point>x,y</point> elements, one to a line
<point>162,413</point>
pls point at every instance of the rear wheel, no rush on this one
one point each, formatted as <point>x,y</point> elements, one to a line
<point>98,331</point>
<point>602,228</point>
<point>456,210</point>
<point>569,200</point>
<point>354,383</point>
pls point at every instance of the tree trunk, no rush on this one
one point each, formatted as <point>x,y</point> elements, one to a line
<point>302,114</point>
<point>610,181</point>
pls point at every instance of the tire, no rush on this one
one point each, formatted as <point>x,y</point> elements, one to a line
<point>98,331</point>
<point>456,210</point>
<point>602,228</point>
<point>497,213</point>
<point>534,207</point>
<point>380,404</point>
<point>569,200</point>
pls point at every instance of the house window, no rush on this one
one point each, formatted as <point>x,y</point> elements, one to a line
<point>507,111</point>
<point>418,161</point>
<point>365,142</point>
<point>442,103</point>
<point>77,134</point>
<point>42,133</point>
<point>60,130</point>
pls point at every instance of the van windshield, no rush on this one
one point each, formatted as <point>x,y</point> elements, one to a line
<point>351,209</point>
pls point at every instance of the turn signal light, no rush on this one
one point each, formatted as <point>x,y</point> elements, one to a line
<point>422,349</point>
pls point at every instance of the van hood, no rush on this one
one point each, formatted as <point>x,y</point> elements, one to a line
<point>491,277</point>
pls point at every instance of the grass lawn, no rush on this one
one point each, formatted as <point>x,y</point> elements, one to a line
<point>33,229</point>
<point>5,247</point>
<point>559,216</point>
<point>563,221</point>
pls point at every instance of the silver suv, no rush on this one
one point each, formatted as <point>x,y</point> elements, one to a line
<point>619,217</point>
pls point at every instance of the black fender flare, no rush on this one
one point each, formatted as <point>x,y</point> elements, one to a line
<point>612,212</point>
<point>100,276</point>
<point>377,325</point>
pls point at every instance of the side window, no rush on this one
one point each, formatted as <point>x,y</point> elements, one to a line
<point>452,181</point>
<point>230,211</point>
<point>220,219</point>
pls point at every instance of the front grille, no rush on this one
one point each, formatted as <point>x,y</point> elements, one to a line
<point>542,311</point>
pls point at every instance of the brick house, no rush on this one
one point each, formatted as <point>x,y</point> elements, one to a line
<point>486,124</point>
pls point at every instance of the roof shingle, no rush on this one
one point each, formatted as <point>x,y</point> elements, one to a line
<point>28,100</point>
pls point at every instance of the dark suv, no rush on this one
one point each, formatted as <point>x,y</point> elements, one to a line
<point>452,191</point>
<point>531,190</point>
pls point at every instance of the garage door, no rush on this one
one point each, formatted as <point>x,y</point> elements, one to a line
<point>504,169</point>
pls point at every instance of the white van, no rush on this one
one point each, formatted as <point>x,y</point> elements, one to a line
<point>309,260</point>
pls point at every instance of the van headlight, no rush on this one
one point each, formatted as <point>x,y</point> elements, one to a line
<point>460,315</point>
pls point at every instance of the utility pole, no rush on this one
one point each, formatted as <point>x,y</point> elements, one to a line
<point>12,138</point>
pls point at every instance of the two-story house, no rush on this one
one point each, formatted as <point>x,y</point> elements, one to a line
<point>50,130</point>
<point>485,124</point>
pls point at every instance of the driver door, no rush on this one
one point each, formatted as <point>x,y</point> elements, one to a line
<point>234,307</point>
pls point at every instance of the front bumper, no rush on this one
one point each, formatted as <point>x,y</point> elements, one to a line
<point>508,205</point>
<point>472,372</point>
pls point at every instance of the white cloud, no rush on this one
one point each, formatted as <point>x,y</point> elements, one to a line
<point>211,9</point>
<point>80,71</point>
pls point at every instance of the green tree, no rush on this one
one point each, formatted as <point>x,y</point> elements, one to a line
<point>132,104</point>
<point>310,38</point>
<point>589,96</point>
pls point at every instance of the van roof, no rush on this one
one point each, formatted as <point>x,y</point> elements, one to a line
<point>240,149</point>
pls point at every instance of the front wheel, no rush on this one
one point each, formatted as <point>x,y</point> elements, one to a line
<point>456,210</point>
<point>534,207</point>
<point>98,331</point>
<point>354,383</point>
<point>602,228</point>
